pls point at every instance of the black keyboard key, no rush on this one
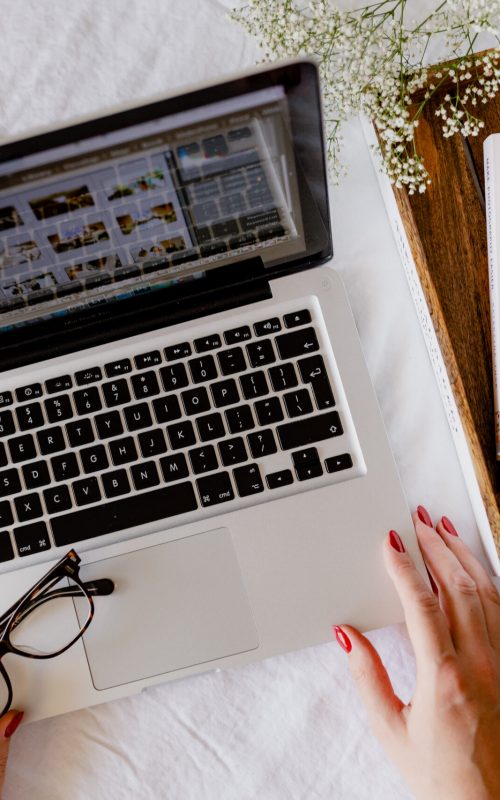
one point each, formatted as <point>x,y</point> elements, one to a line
<point>145,385</point>
<point>267,326</point>
<point>313,371</point>
<point>6,399</point>
<point>3,455</point>
<point>307,471</point>
<point>215,489</point>
<point>283,377</point>
<point>167,408</point>
<point>85,491</point>
<point>181,434</point>
<point>145,475</point>
<point>7,424</point>
<point>240,419</point>
<point>261,353</point>
<point>57,499</point>
<point>302,317</point>
<point>297,343</point>
<point>145,360</point>
<point>32,538</point>
<point>127,512</point>
<point>108,424</point>
<point>6,517</point>
<point>248,480</point>
<point>174,467</point>
<point>262,443</point>
<point>116,393</point>
<point>90,375</point>
<point>307,431</point>
<point>87,400</point>
<point>28,393</point>
<point>116,483</point>
<point>233,451</point>
<point>236,335</point>
<point>225,393</point>
<point>36,474</point>
<point>152,443</point>
<point>28,507</point>
<point>177,351</point>
<point>61,384</point>
<point>303,457</point>
<point>30,416</point>
<point>196,400</point>
<point>115,368</point>
<point>9,482</point>
<point>210,342</point>
<point>203,459</point>
<point>65,466</point>
<point>50,440</point>
<point>138,416</point>
<point>298,403</point>
<point>6,549</point>
<point>254,385</point>
<point>174,377</point>
<point>269,410</point>
<point>22,448</point>
<point>94,458</point>
<point>80,432</point>
<point>231,361</point>
<point>202,369</point>
<point>277,479</point>
<point>58,408</point>
<point>210,427</point>
<point>123,451</point>
<point>338,463</point>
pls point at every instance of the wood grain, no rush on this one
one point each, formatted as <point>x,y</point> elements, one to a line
<point>446,228</point>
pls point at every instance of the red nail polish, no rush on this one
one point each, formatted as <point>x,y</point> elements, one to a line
<point>449,526</point>
<point>423,516</point>
<point>342,638</point>
<point>13,724</point>
<point>395,541</point>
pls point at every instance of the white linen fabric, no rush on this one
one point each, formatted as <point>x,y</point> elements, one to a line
<point>290,727</point>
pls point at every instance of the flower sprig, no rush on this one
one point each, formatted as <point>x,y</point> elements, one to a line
<point>373,61</point>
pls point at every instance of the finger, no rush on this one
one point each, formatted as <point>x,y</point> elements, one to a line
<point>8,725</point>
<point>458,593</point>
<point>426,623</point>
<point>382,705</point>
<point>488,593</point>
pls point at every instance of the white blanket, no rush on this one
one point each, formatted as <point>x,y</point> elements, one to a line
<point>291,727</point>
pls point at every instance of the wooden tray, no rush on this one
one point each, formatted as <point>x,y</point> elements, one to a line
<point>446,228</point>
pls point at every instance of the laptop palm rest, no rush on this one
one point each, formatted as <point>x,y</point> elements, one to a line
<point>175,605</point>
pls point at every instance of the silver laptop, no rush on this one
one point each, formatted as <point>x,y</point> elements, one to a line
<point>183,396</point>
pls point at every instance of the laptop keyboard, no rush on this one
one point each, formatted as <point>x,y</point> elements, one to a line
<point>191,427</point>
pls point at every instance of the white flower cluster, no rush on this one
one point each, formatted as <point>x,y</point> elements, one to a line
<point>372,61</point>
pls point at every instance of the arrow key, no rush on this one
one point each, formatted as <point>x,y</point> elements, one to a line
<point>337,463</point>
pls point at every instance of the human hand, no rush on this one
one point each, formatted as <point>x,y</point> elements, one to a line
<point>8,725</point>
<point>446,741</point>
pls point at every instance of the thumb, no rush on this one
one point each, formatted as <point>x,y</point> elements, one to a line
<point>382,705</point>
<point>8,724</point>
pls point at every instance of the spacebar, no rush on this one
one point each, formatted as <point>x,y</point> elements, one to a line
<point>126,513</point>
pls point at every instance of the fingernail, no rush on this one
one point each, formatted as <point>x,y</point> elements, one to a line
<point>13,724</point>
<point>449,526</point>
<point>342,638</point>
<point>423,516</point>
<point>395,541</point>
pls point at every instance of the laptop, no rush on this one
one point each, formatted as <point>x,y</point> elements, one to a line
<point>183,395</point>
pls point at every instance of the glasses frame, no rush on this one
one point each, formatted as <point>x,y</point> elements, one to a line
<point>67,567</point>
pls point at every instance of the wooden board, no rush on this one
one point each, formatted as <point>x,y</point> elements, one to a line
<point>446,228</point>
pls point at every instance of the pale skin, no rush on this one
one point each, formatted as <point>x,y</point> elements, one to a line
<point>446,741</point>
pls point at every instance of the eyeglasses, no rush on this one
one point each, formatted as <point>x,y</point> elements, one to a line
<point>33,629</point>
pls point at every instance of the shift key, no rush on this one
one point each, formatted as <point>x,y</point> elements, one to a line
<point>312,429</point>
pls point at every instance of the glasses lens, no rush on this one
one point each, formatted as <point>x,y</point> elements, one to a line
<point>49,623</point>
<point>4,694</point>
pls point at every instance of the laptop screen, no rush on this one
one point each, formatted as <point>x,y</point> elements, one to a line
<point>142,207</point>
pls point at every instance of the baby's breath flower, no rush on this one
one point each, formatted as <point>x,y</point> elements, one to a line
<point>372,61</point>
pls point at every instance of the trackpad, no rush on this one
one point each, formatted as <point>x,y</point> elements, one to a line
<point>175,605</point>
